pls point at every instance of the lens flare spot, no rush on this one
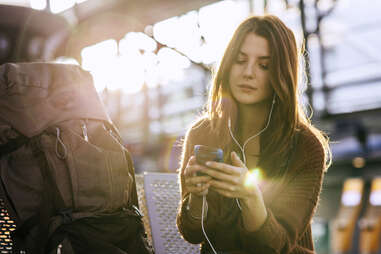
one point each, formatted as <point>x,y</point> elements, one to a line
<point>253,177</point>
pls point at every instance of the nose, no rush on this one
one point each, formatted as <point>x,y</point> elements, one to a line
<point>248,72</point>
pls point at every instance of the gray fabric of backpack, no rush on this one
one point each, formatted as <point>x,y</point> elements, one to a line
<point>61,159</point>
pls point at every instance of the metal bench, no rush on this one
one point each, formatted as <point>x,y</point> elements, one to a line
<point>6,227</point>
<point>162,195</point>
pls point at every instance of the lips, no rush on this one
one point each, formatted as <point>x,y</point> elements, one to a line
<point>247,87</point>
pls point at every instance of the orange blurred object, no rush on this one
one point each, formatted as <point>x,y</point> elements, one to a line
<point>370,224</point>
<point>343,227</point>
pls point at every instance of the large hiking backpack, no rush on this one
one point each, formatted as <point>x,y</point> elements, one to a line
<point>65,177</point>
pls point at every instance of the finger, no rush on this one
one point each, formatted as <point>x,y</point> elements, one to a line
<point>198,188</point>
<point>192,160</point>
<point>191,169</point>
<point>236,161</point>
<point>223,177</point>
<point>226,193</point>
<point>223,186</point>
<point>223,167</point>
<point>197,179</point>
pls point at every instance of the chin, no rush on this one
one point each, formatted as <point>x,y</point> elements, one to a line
<point>246,101</point>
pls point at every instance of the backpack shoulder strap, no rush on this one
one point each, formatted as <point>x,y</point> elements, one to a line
<point>133,201</point>
<point>131,170</point>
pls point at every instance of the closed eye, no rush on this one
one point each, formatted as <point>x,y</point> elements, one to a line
<point>264,66</point>
<point>240,61</point>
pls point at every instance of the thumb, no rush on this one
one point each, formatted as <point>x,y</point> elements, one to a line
<point>236,161</point>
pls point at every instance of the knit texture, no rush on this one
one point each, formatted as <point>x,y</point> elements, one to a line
<point>291,200</point>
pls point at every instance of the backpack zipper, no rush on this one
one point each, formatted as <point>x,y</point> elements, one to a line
<point>58,134</point>
<point>84,132</point>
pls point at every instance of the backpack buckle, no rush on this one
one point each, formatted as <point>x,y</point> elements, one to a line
<point>137,211</point>
<point>66,215</point>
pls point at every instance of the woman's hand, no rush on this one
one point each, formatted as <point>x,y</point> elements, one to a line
<point>231,180</point>
<point>197,185</point>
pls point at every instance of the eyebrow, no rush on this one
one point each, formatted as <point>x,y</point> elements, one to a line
<point>261,57</point>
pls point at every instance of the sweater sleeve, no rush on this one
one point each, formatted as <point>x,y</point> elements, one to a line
<point>189,227</point>
<point>290,212</point>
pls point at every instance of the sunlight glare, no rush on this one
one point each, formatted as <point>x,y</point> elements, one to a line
<point>152,71</point>
<point>171,65</point>
<point>165,31</point>
<point>181,33</point>
<point>137,41</point>
<point>112,71</point>
<point>253,177</point>
<point>66,60</point>
<point>38,4</point>
<point>127,73</point>
<point>137,50</point>
<point>97,59</point>
<point>216,29</point>
<point>202,35</point>
<point>57,6</point>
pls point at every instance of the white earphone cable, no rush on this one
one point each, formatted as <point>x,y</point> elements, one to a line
<point>202,223</point>
<point>242,148</point>
<point>204,202</point>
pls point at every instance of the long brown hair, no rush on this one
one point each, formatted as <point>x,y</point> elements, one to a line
<point>283,72</point>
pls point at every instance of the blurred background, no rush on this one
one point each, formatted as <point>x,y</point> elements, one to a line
<point>152,60</point>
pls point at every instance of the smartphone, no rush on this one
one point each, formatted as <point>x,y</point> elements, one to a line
<point>207,153</point>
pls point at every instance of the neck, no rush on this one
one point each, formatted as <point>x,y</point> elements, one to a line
<point>252,118</point>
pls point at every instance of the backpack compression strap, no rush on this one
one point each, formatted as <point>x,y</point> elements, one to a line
<point>12,145</point>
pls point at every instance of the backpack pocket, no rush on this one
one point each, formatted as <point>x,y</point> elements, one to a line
<point>89,166</point>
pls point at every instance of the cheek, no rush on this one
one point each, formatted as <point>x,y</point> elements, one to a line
<point>234,72</point>
<point>269,89</point>
<point>265,78</point>
<point>232,77</point>
<point>265,81</point>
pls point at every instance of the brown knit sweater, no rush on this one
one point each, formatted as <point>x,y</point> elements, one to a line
<point>290,198</point>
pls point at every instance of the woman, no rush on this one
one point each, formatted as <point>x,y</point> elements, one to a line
<point>253,114</point>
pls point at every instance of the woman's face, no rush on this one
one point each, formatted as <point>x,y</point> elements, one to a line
<point>249,74</point>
